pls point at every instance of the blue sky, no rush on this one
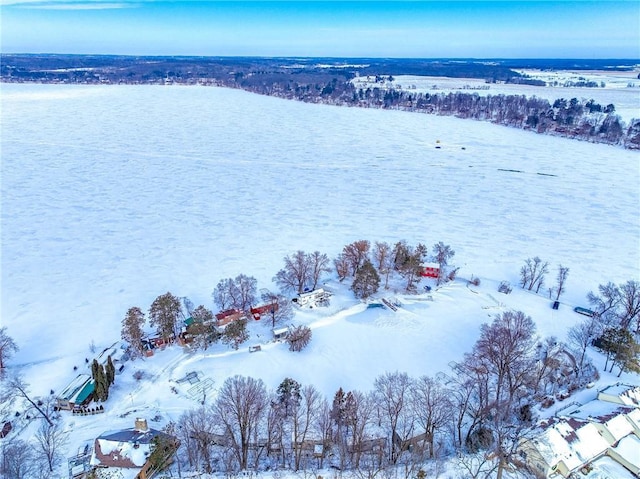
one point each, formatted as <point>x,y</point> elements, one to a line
<point>428,29</point>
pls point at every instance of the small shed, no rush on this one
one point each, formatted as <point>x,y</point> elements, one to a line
<point>280,334</point>
<point>430,270</point>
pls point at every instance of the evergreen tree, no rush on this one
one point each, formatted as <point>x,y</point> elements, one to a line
<point>101,391</point>
<point>110,371</point>
<point>132,331</point>
<point>367,281</point>
<point>164,313</point>
<point>235,333</point>
<point>288,394</point>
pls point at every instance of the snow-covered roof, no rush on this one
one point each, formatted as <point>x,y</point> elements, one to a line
<point>78,389</point>
<point>610,415</point>
<point>629,449</point>
<point>626,394</point>
<point>571,441</point>
<point>126,448</point>
<point>606,468</point>
<point>432,265</point>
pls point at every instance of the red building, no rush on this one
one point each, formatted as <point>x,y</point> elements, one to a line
<point>228,316</point>
<point>430,270</point>
<point>258,311</point>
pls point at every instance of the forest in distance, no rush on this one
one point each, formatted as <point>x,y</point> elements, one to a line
<point>330,81</point>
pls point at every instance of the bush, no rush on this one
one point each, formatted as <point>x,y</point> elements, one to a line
<point>298,338</point>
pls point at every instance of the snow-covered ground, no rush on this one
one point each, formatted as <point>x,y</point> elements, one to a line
<point>114,195</point>
<point>622,89</point>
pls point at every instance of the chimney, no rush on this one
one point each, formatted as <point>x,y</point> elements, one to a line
<point>141,425</point>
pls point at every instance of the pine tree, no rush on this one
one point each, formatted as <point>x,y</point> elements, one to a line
<point>366,282</point>
<point>288,395</point>
<point>132,331</point>
<point>101,391</point>
<point>110,371</point>
<point>164,313</point>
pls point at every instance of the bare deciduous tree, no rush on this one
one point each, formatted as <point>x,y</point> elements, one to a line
<point>295,274</point>
<point>383,256</point>
<point>605,302</point>
<point>299,337</point>
<point>392,397</point>
<point>355,254</point>
<point>239,293</point>
<point>342,266</point>
<point>15,388</point>
<point>318,264</point>
<point>240,408</point>
<point>305,415</point>
<point>561,279</point>
<point>7,348</point>
<point>197,433</point>
<point>18,460</point>
<point>51,438</point>
<point>630,305</point>
<point>580,338</point>
<point>280,309</point>
<point>132,331</point>
<point>442,253</point>
<point>532,274</point>
<point>431,407</point>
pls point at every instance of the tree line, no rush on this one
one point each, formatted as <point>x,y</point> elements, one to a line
<point>305,81</point>
<point>480,408</point>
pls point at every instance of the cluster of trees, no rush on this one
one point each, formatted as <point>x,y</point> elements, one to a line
<point>533,274</point>
<point>301,272</point>
<point>37,458</point>
<point>164,313</point>
<point>613,328</point>
<point>367,265</point>
<point>484,404</point>
<point>104,377</point>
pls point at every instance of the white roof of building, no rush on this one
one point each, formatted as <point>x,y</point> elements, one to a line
<point>607,468</point>
<point>572,441</point>
<point>629,395</point>
<point>612,415</point>
<point>629,448</point>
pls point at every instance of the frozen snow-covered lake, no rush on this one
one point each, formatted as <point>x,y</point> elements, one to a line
<point>113,195</point>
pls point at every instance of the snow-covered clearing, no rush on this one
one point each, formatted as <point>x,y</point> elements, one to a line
<point>114,195</point>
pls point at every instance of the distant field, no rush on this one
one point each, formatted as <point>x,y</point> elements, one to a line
<point>622,89</point>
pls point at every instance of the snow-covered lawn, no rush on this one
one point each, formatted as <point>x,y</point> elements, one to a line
<point>114,195</point>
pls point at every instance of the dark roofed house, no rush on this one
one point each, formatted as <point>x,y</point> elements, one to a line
<point>133,450</point>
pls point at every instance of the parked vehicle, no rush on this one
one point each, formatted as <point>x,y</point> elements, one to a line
<point>585,311</point>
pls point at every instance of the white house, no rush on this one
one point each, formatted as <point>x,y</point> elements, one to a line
<point>588,439</point>
<point>317,297</point>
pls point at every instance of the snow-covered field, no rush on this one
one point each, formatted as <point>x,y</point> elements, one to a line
<point>622,89</point>
<point>114,195</point>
